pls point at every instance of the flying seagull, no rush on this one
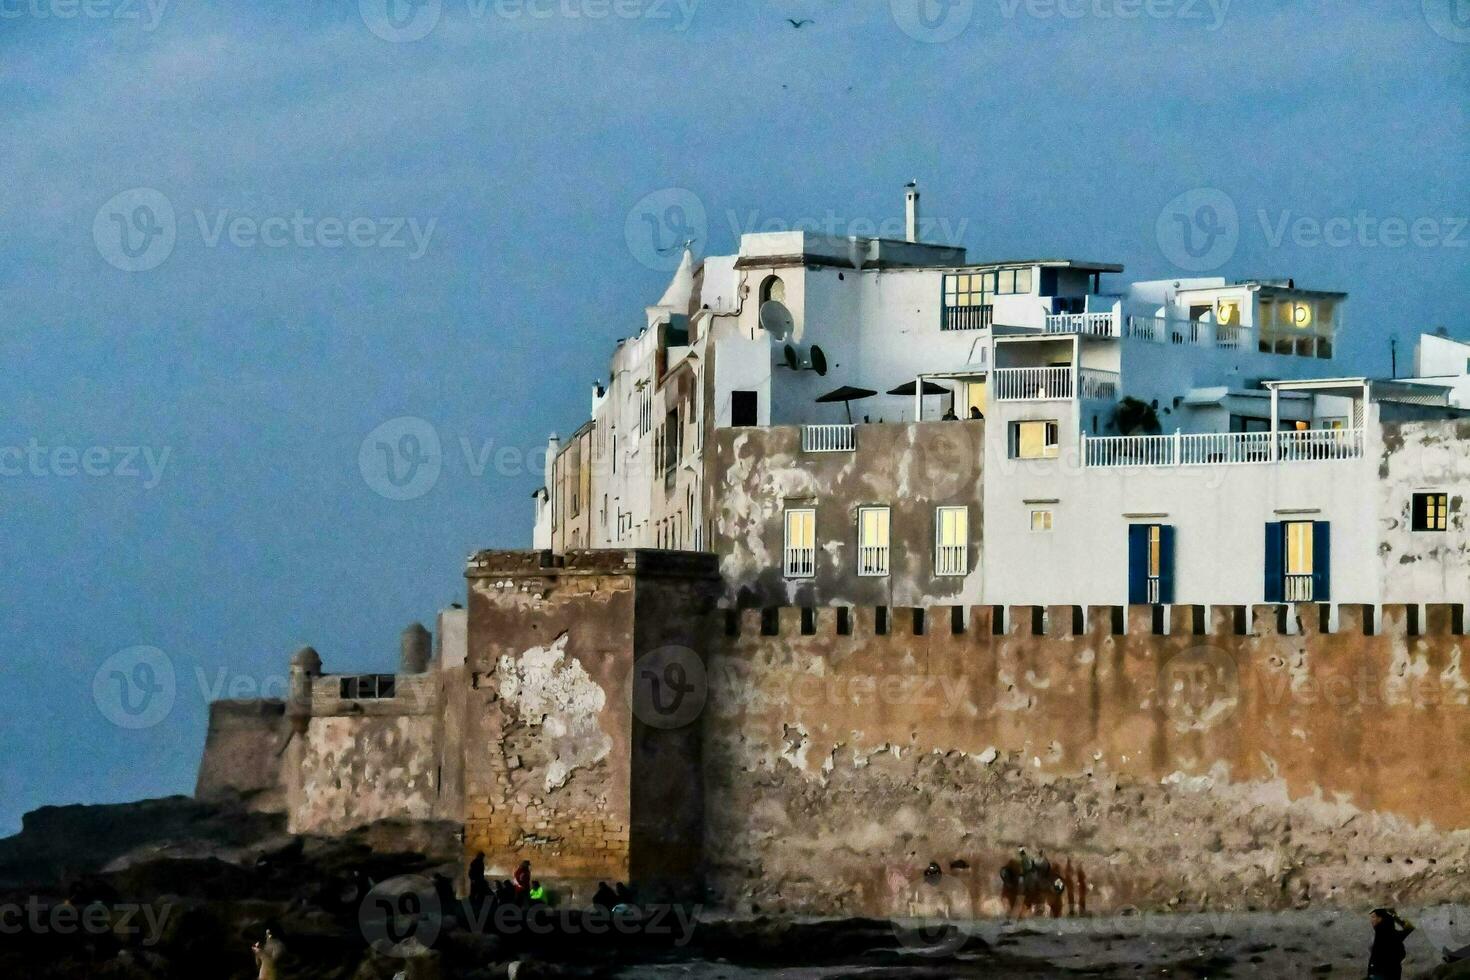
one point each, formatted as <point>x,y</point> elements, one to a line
<point>799,24</point>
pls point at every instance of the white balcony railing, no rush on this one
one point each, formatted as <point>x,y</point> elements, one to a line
<point>1321,444</point>
<point>801,562</point>
<point>967,318</point>
<point>949,559</point>
<point>1213,448</point>
<point>1091,324</point>
<point>1155,589</point>
<point>873,559</point>
<point>828,438</point>
<point>1102,385</point>
<point>1298,588</point>
<point>1032,383</point>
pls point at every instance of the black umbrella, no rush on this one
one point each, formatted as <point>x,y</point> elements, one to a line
<point>930,388</point>
<point>846,394</point>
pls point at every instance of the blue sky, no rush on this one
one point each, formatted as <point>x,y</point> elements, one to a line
<point>447,229</point>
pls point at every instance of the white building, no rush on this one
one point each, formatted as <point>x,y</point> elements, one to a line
<point>1016,432</point>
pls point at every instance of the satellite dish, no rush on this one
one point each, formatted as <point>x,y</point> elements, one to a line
<point>776,320</point>
<point>819,361</point>
<point>792,361</point>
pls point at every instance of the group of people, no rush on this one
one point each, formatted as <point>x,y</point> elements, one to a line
<point>521,889</point>
<point>618,898</point>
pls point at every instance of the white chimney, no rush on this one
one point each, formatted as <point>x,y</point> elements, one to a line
<point>911,211</point>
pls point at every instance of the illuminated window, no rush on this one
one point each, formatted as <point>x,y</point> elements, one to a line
<point>801,543</point>
<point>873,541</point>
<point>975,399</point>
<point>1299,548</point>
<point>773,289</point>
<point>951,541</point>
<point>968,288</point>
<point>1431,512</point>
<point>1041,520</point>
<point>1034,439</point>
<point>1227,312</point>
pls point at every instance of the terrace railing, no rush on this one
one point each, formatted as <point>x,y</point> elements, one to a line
<point>1216,448</point>
<point>828,438</point>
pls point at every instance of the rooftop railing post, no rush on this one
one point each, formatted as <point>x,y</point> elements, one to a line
<point>1178,446</point>
<point>1275,437</point>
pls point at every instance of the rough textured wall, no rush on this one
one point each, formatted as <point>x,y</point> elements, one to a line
<point>547,737</point>
<point>911,468</point>
<point>357,769</point>
<point>242,753</point>
<point>561,765</point>
<point>1424,456</point>
<point>1199,769</point>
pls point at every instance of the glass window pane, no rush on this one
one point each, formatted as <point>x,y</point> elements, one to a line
<point>1023,280</point>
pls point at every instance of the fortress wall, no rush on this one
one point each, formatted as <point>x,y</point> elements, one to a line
<point>242,753</point>
<point>1226,763</point>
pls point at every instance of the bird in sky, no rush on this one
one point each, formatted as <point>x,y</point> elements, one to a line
<point>799,24</point>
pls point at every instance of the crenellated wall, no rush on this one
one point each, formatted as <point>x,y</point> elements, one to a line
<point>1225,760</point>
<point>607,721</point>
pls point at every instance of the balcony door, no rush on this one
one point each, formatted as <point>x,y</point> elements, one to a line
<point>1150,564</point>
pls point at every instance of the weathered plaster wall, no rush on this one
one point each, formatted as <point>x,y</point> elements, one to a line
<point>354,770</point>
<point>911,468</point>
<point>1424,456</point>
<point>1199,769</point>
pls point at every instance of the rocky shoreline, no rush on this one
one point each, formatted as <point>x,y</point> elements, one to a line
<point>176,888</point>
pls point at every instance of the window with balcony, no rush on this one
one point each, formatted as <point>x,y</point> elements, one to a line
<point>951,541</point>
<point>872,540</point>
<point>1150,564</point>
<point>1298,561</point>
<point>1431,512</point>
<point>1035,439</point>
<point>967,297</point>
<point>801,543</point>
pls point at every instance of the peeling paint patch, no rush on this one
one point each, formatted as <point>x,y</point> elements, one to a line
<point>548,690</point>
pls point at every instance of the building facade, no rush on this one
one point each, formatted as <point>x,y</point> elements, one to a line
<point>850,420</point>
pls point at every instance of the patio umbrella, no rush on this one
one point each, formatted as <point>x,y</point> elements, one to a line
<point>846,394</point>
<point>930,388</point>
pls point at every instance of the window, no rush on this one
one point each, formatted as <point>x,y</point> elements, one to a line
<point>968,288</point>
<point>1431,512</point>
<point>1034,439</point>
<point>1301,561</point>
<point>872,540</point>
<point>801,543</point>
<point>773,289</point>
<point>951,541</point>
<point>672,439</point>
<point>743,408</point>
<point>1041,520</point>
<point>1150,564</point>
<point>975,400</point>
<point>368,687</point>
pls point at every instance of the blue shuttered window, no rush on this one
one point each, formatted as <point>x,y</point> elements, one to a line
<point>1150,582</point>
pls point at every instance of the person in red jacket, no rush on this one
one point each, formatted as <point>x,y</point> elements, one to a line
<point>522,881</point>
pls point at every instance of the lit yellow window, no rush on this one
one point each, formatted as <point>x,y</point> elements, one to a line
<point>1155,550</point>
<point>873,541</point>
<point>1041,520</point>
<point>951,541</point>
<point>1035,440</point>
<point>974,398</point>
<point>1228,312</point>
<point>1299,548</point>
